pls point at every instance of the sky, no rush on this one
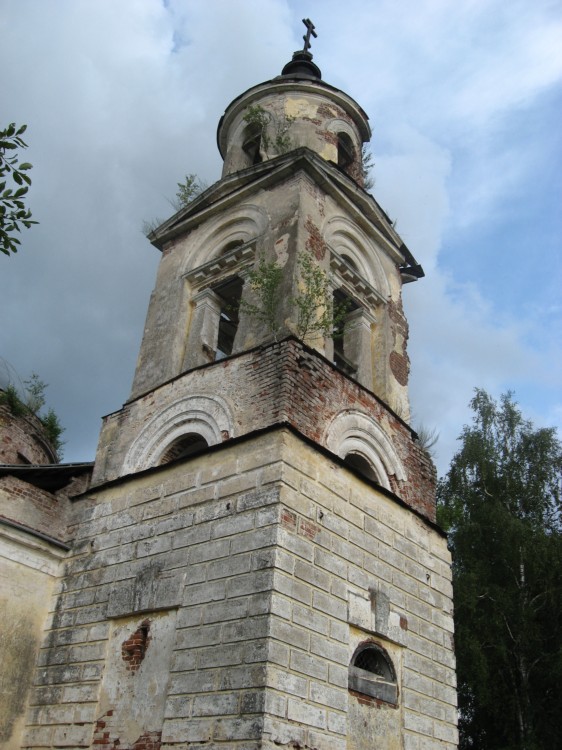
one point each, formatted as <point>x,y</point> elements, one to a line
<point>122,99</point>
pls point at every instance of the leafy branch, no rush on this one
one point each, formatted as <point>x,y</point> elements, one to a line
<point>187,191</point>
<point>265,282</point>
<point>258,118</point>
<point>318,314</point>
<point>13,213</point>
<point>368,165</point>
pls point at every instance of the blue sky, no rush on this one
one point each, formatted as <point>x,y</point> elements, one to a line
<point>122,100</point>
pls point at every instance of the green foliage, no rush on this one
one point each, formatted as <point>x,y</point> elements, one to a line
<point>35,393</point>
<point>317,314</point>
<point>188,190</point>
<point>258,118</point>
<point>54,429</point>
<point>368,165</point>
<point>13,213</point>
<point>11,398</point>
<point>501,503</point>
<point>265,281</point>
<point>31,401</point>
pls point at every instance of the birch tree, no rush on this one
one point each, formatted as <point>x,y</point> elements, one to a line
<point>500,502</point>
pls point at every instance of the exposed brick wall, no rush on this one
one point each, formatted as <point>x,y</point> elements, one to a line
<point>134,648</point>
<point>33,507</point>
<point>285,382</point>
<point>23,439</point>
<point>399,361</point>
<point>315,242</point>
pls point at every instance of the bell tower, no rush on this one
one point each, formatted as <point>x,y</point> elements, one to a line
<point>257,564</point>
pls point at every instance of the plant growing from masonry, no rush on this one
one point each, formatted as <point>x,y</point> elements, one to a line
<point>32,401</point>
<point>258,118</point>
<point>187,191</point>
<point>368,165</point>
<point>13,213</point>
<point>265,282</point>
<point>317,313</point>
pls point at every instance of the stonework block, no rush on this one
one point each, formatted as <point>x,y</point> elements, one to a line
<point>266,586</point>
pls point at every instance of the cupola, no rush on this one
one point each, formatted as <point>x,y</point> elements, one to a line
<point>294,110</point>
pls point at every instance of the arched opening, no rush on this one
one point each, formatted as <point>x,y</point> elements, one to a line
<point>229,294</point>
<point>182,447</point>
<point>372,673</point>
<point>230,246</point>
<point>362,465</point>
<point>252,143</point>
<point>346,152</point>
<point>344,305</point>
<point>350,262</point>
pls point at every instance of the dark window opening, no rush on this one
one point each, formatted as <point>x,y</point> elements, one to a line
<point>229,294</point>
<point>230,246</point>
<point>184,446</point>
<point>343,305</point>
<point>360,464</point>
<point>346,152</point>
<point>372,673</point>
<point>252,144</point>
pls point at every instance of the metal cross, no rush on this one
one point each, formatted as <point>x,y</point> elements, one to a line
<point>309,30</point>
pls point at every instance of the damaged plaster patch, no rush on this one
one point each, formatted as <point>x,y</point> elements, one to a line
<point>133,649</point>
<point>135,682</point>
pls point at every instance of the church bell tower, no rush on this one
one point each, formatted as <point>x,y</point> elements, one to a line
<point>257,563</point>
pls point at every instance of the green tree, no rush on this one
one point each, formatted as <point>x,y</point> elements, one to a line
<point>188,190</point>
<point>317,313</point>
<point>13,213</point>
<point>500,502</point>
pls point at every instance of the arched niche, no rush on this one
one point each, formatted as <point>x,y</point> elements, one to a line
<point>207,417</point>
<point>358,439</point>
<point>182,447</point>
<point>343,236</point>
<point>372,673</point>
<point>227,231</point>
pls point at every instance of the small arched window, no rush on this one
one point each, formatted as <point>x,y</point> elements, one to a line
<point>182,447</point>
<point>229,294</point>
<point>252,143</point>
<point>372,673</point>
<point>343,306</point>
<point>230,246</point>
<point>346,152</point>
<point>362,465</point>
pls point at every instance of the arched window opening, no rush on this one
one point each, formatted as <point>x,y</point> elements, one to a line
<point>182,447</point>
<point>230,246</point>
<point>346,152</point>
<point>372,673</point>
<point>350,262</point>
<point>342,333</point>
<point>252,143</point>
<point>362,465</point>
<point>229,294</point>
